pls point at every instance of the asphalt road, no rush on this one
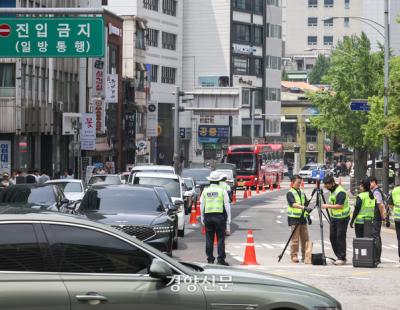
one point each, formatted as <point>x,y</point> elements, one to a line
<point>265,214</point>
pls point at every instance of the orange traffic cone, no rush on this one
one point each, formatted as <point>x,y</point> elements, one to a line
<point>198,212</point>
<point>279,183</point>
<point>302,184</point>
<point>234,200</point>
<point>249,194</point>
<point>258,189</point>
<point>193,218</point>
<point>271,186</point>
<point>245,193</point>
<point>203,230</point>
<point>263,188</point>
<point>250,252</point>
<point>215,239</point>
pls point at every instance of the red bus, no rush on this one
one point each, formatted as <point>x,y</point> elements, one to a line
<point>257,164</point>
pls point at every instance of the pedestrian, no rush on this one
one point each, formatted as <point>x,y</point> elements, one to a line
<point>339,211</point>
<point>297,213</point>
<point>394,202</point>
<point>30,178</point>
<point>5,180</point>
<point>348,166</point>
<point>225,186</point>
<point>215,215</point>
<point>392,175</point>
<point>70,174</point>
<point>364,209</point>
<point>43,177</point>
<point>380,214</point>
<point>290,169</point>
<point>36,175</point>
<point>343,168</point>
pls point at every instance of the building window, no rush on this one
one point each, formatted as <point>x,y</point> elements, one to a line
<point>169,7</point>
<point>242,5</point>
<point>140,37</point>
<point>246,130</point>
<point>140,73</point>
<point>258,98</point>
<point>154,73</point>
<point>258,35</point>
<point>152,37</point>
<point>274,31</point>
<point>347,4</point>
<point>311,134</point>
<point>150,5</point>
<point>328,40</point>
<point>273,126</point>
<point>328,22</point>
<point>257,66</point>
<point>168,75</point>
<point>169,41</point>
<point>328,3</point>
<point>241,65</point>
<point>274,2</point>
<point>312,3</point>
<point>113,58</point>
<point>246,97</point>
<point>259,6</point>
<point>346,22</point>
<point>312,21</point>
<point>241,33</point>
<point>273,94</point>
<point>312,40</point>
<point>7,80</point>
<point>273,62</point>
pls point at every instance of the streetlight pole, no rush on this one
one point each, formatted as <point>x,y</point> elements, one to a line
<point>178,94</point>
<point>253,110</point>
<point>385,154</point>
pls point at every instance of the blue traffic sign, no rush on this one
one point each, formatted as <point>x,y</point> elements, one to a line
<point>360,106</point>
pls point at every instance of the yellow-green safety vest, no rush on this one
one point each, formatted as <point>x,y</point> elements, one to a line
<point>367,208</point>
<point>396,203</point>
<point>225,186</point>
<point>339,213</point>
<point>300,199</point>
<point>213,198</point>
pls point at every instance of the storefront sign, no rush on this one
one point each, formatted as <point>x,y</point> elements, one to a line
<point>88,132</point>
<point>213,134</point>
<point>99,110</point>
<point>5,157</point>
<point>98,77</point>
<point>152,119</point>
<point>243,49</point>
<point>113,30</point>
<point>112,88</point>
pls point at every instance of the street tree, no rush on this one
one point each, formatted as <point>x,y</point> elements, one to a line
<point>319,70</point>
<point>354,73</point>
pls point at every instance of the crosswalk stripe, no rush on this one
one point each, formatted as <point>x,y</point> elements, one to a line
<point>267,245</point>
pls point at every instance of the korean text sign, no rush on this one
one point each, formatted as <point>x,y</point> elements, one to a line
<point>52,37</point>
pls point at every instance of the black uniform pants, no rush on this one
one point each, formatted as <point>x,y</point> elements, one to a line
<point>397,225</point>
<point>215,224</point>
<point>376,234</point>
<point>338,231</point>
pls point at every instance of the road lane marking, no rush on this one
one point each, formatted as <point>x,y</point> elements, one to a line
<point>386,247</point>
<point>267,245</point>
<point>279,222</point>
<point>279,216</point>
<point>388,260</point>
<point>393,246</point>
<point>357,278</point>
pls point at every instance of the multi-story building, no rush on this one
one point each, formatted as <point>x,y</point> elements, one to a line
<point>235,44</point>
<point>308,30</point>
<point>161,41</point>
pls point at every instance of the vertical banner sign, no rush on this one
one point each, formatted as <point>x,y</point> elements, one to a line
<point>88,132</point>
<point>152,119</point>
<point>112,88</point>
<point>5,157</point>
<point>99,110</point>
<point>98,77</point>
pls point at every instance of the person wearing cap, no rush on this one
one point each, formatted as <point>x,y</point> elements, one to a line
<point>5,181</point>
<point>215,215</point>
<point>225,185</point>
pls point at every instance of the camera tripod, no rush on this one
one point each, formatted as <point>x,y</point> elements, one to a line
<point>319,195</point>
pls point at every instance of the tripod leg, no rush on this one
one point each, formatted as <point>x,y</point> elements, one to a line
<point>287,243</point>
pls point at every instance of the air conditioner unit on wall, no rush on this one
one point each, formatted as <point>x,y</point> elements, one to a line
<point>70,124</point>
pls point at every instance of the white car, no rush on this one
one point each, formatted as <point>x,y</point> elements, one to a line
<point>173,184</point>
<point>306,172</point>
<point>73,189</point>
<point>151,168</point>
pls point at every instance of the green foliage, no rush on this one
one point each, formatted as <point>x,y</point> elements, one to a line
<point>285,76</point>
<point>319,70</point>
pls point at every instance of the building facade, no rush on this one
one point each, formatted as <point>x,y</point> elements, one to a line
<point>234,44</point>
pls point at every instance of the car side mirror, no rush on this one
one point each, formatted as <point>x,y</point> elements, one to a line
<point>172,207</point>
<point>178,202</point>
<point>160,269</point>
<point>64,201</point>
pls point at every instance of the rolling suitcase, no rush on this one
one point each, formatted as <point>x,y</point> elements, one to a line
<point>364,253</point>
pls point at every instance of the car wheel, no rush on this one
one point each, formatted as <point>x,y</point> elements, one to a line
<point>181,233</point>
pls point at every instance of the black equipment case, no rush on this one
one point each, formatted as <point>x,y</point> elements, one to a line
<point>364,252</point>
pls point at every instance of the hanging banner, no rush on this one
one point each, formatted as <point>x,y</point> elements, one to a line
<point>112,88</point>
<point>98,78</point>
<point>88,132</point>
<point>5,157</point>
<point>99,111</point>
<point>152,119</point>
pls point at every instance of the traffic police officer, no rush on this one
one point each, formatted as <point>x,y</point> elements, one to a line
<point>225,185</point>
<point>394,202</point>
<point>339,211</point>
<point>215,215</point>
<point>364,209</point>
<point>297,214</point>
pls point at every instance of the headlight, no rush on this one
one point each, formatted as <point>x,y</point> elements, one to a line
<point>255,179</point>
<point>163,229</point>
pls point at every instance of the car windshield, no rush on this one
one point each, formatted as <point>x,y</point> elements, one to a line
<point>43,194</point>
<point>172,186</point>
<point>69,187</point>
<point>228,173</point>
<point>245,163</point>
<point>105,179</point>
<point>189,183</point>
<point>200,175</point>
<point>308,167</point>
<point>121,201</point>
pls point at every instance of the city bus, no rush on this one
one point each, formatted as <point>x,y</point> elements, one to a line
<point>257,164</point>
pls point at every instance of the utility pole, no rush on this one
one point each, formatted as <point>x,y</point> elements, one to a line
<point>253,111</point>
<point>178,94</point>
<point>385,156</point>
